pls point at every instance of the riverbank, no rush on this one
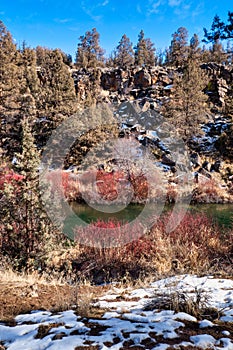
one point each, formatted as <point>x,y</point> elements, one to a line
<point>197,315</point>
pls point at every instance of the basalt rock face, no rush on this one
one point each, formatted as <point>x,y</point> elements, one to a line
<point>117,84</point>
<point>146,88</point>
<point>221,77</point>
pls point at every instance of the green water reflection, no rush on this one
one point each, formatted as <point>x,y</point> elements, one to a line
<point>222,213</point>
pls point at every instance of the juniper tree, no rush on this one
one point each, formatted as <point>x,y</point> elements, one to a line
<point>187,106</point>
<point>89,53</point>
<point>57,98</point>
<point>144,51</point>
<point>178,50</point>
<point>10,88</point>
<point>58,92</point>
<point>25,226</point>
<point>229,51</point>
<point>194,48</point>
<point>124,54</point>
<point>217,52</point>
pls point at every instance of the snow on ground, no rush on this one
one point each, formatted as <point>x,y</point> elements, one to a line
<point>127,324</point>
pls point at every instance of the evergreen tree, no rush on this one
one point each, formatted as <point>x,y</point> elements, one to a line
<point>124,54</point>
<point>205,54</point>
<point>217,52</point>
<point>28,65</point>
<point>24,225</point>
<point>229,51</point>
<point>10,88</point>
<point>187,106</point>
<point>41,53</point>
<point>57,95</point>
<point>195,50</point>
<point>144,51</point>
<point>219,30</point>
<point>89,53</point>
<point>140,50</point>
<point>151,58</point>
<point>179,47</point>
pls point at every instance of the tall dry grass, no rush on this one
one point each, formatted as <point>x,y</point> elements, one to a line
<point>197,245</point>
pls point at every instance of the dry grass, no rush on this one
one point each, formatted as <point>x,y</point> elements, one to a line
<point>23,278</point>
<point>22,293</point>
<point>197,245</point>
<point>195,304</point>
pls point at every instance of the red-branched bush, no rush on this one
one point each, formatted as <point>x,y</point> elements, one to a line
<point>111,233</point>
<point>112,186</point>
<point>8,176</point>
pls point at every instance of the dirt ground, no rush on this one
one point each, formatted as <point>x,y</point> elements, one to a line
<point>22,296</point>
<point>16,298</point>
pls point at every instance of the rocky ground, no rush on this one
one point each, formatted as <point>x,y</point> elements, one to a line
<point>181,312</point>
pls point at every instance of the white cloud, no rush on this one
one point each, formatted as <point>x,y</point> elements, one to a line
<point>90,9</point>
<point>198,10</point>
<point>173,3</point>
<point>185,10</point>
<point>62,20</point>
<point>139,10</point>
<point>154,7</point>
<point>104,3</point>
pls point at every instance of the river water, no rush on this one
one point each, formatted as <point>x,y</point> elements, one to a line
<point>221,213</point>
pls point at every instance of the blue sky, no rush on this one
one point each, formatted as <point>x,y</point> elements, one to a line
<point>59,23</point>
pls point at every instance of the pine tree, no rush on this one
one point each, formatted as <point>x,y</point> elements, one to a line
<point>144,51</point>
<point>24,224</point>
<point>179,47</point>
<point>217,52</point>
<point>57,96</point>
<point>219,30</point>
<point>187,107</point>
<point>195,50</point>
<point>89,53</point>
<point>140,50</point>
<point>10,88</point>
<point>124,54</point>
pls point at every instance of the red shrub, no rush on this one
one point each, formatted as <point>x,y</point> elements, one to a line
<point>8,176</point>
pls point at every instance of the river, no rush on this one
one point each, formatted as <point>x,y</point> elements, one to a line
<point>221,213</point>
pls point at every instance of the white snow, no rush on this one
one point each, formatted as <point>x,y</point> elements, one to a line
<point>127,320</point>
<point>205,324</point>
<point>204,341</point>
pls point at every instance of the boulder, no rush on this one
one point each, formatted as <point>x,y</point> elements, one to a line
<point>216,166</point>
<point>142,79</point>
<point>111,80</point>
<point>168,161</point>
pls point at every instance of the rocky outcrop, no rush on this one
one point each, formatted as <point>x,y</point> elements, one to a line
<point>146,82</point>
<point>142,79</point>
<point>146,88</point>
